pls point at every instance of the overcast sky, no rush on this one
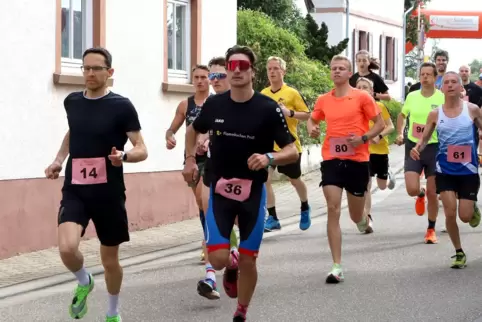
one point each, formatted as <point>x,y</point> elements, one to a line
<point>461,51</point>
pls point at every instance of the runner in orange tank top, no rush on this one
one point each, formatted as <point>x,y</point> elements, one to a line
<point>347,112</point>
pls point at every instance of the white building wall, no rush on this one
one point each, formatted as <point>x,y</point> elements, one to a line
<point>32,116</point>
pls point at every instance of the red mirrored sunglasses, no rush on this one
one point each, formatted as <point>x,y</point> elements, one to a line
<point>242,64</point>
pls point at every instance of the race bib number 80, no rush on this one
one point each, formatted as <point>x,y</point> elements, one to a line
<point>341,147</point>
<point>89,171</point>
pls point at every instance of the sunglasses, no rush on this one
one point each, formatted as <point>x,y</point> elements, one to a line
<point>243,65</point>
<point>220,76</point>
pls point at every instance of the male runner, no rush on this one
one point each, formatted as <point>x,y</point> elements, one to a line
<point>186,112</point>
<point>294,109</point>
<point>207,287</point>
<point>457,163</point>
<point>243,125</point>
<point>419,104</point>
<point>100,122</point>
<point>347,112</point>
<point>441,58</point>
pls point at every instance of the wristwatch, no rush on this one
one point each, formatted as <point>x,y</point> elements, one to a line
<point>123,156</point>
<point>270,159</point>
<point>364,138</point>
<point>292,113</point>
<point>380,136</point>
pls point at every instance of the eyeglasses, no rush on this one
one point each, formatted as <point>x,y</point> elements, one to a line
<point>220,76</point>
<point>243,65</point>
<point>95,69</point>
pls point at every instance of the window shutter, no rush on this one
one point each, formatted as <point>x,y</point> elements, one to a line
<point>383,56</point>
<point>395,59</point>
<point>355,47</point>
<point>370,43</point>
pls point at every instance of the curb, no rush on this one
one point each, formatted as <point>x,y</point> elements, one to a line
<point>47,282</point>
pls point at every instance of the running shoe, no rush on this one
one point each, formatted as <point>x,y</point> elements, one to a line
<point>393,181</point>
<point>475,221</point>
<point>239,318</point>
<point>207,288</point>
<point>460,260</point>
<point>336,275</point>
<point>420,203</point>
<point>272,224</point>
<point>364,226</point>
<point>78,309</point>
<point>230,278</point>
<point>116,318</point>
<point>430,236</point>
<point>305,219</point>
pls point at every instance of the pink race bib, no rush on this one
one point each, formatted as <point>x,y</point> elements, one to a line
<point>341,147</point>
<point>89,171</point>
<point>417,130</point>
<point>234,189</point>
<point>459,153</point>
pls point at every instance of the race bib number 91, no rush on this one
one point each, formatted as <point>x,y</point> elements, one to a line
<point>417,130</point>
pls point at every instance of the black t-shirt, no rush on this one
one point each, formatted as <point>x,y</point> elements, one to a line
<point>96,126</point>
<point>238,130</point>
<point>379,85</point>
<point>474,92</point>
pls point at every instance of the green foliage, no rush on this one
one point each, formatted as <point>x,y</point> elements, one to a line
<point>394,108</point>
<point>258,31</point>
<point>412,21</point>
<point>317,37</point>
<point>475,67</point>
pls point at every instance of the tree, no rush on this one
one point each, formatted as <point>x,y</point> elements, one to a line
<point>475,69</point>
<point>412,21</point>
<point>318,47</point>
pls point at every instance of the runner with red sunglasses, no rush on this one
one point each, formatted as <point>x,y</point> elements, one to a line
<point>243,124</point>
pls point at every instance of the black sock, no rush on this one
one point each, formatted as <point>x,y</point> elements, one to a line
<point>431,224</point>
<point>272,213</point>
<point>304,205</point>
<point>422,193</point>
<point>459,250</point>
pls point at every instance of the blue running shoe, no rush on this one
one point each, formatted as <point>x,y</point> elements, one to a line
<point>271,224</point>
<point>305,219</point>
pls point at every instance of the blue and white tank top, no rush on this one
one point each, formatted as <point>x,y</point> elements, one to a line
<point>457,153</point>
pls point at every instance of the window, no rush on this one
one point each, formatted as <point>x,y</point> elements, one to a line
<point>178,39</point>
<point>362,40</point>
<point>77,31</point>
<point>390,64</point>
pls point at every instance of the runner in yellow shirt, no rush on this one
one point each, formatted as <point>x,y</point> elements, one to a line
<point>379,151</point>
<point>295,109</point>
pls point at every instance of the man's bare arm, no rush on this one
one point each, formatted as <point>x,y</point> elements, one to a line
<point>178,120</point>
<point>64,150</point>
<point>139,151</point>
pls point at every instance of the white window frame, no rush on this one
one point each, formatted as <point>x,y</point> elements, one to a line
<point>182,76</point>
<point>87,33</point>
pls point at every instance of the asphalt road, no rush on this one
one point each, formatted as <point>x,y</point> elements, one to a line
<point>389,276</point>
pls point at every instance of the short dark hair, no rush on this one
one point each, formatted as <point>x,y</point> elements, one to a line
<point>242,50</point>
<point>429,64</point>
<point>199,66</point>
<point>101,51</point>
<point>441,53</point>
<point>220,60</point>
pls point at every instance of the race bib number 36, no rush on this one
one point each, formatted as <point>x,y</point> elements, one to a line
<point>234,189</point>
<point>459,153</point>
<point>89,171</point>
<point>341,147</point>
<point>417,130</point>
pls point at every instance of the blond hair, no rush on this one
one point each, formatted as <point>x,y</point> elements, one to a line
<point>364,79</point>
<point>343,58</point>
<point>281,62</point>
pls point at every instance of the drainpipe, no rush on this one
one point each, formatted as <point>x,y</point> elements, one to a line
<point>404,54</point>
<point>347,31</point>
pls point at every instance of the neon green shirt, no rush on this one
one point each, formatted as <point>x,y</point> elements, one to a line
<point>418,107</point>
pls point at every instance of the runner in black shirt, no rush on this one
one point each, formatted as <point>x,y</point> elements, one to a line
<point>100,122</point>
<point>243,125</point>
<point>473,94</point>
<point>365,66</point>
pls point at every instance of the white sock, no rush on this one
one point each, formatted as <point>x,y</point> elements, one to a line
<point>210,272</point>
<point>113,305</point>
<point>234,249</point>
<point>82,277</point>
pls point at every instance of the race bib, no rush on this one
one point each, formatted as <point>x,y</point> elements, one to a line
<point>89,171</point>
<point>341,147</point>
<point>234,189</point>
<point>459,153</point>
<point>417,130</point>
